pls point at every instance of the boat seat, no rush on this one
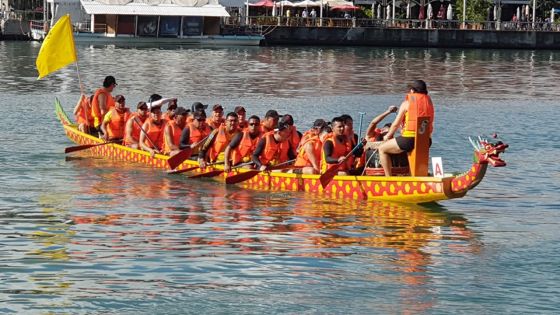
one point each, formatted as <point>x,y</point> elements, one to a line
<point>418,157</point>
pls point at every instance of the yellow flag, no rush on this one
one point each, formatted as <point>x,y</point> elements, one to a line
<point>58,49</point>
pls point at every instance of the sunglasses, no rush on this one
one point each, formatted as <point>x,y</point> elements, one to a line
<point>254,124</point>
<point>201,119</point>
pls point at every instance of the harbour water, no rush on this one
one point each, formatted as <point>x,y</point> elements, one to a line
<point>88,236</point>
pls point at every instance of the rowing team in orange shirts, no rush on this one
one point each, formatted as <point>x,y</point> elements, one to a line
<point>238,141</point>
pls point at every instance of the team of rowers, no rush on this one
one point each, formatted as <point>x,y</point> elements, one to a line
<point>238,141</point>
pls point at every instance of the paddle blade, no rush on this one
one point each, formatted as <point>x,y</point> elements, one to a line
<point>188,169</point>
<point>179,158</point>
<point>237,178</point>
<point>82,147</point>
<point>207,174</point>
<point>327,177</point>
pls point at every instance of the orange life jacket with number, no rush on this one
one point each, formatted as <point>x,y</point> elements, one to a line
<point>302,158</point>
<point>116,127</point>
<point>218,147</point>
<point>96,110</point>
<point>274,153</point>
<point>155,133</point>
<point>419,105</point>
<point>339,149</point>
<point>242,153</point>
<point>175,136</point>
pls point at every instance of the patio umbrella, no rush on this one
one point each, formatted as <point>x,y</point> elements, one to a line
<point>274,11</point>
<point>527,10</point>
<point>552,15</point>
<point>449,12</point>
<point>379,11</point>
<point>372,9</point>
<point>495,13</point>
<point>421,13</point>
<point>518,13</point>
<point>408,10</point>
<point>430,12</point>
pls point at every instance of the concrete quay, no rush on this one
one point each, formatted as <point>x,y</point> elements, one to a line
<point>398,37</point>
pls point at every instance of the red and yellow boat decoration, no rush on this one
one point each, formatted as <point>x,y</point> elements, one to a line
<point>409,189</point>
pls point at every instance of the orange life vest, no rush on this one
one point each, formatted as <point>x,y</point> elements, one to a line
<point>419,105</point>
<point>116,127</point>
<point>83,116</point>
<point>196,135</point>
<point>339,149</point>
<point>302,158</point>
<point>155,133</point>
<point>273,152</point>
<point>220,142</point>
<point>175,136</point>
<point>242,153</point>
<point>135,134</point>
<point>96,110</point>
<point>294,138</point>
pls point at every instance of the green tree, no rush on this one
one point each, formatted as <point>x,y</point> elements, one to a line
<point>476,10</point>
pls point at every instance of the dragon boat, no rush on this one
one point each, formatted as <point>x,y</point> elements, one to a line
<point>408,189</point>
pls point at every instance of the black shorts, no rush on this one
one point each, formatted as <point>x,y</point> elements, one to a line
<point>405,143</point>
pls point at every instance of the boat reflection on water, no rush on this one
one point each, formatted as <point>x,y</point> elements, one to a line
<point>209,233</point>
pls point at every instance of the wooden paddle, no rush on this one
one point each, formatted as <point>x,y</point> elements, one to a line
<point>188,169</point>
<point>328,176</point>
<point>238,178</point>
<point>85,146</point>
<point>180,157</point>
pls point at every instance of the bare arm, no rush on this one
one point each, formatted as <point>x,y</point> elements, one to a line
<point>128,131</point>
<point>168,139</point>
<point>312,157</point>
<point>143,138</point>
<point>395,125</point>
<point>79,105</point>
<point>102,101</point>
<point>373,124</point>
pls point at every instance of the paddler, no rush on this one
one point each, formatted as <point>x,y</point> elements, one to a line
<point>336,148</point>
<point>195,107</point>
<point>82,112</point>
<point>310,148</point>
<point>243,144</point>
<point>270,121</point>
<point>171,107</point>
<point>217,117</point>
<point>213,149</point>
<point>195,133</point>
<point>273,148</point>
<point>151,138</point>
<point>374,137</point>
<point>173,131</point>
<point>295,135</point>
<point>132,128</point>
<point>417,103</point>
<point>114,122</point>
<point>103,101</point>
<point>241,114</point>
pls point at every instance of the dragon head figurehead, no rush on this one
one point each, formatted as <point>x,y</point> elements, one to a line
<point>489,152</point>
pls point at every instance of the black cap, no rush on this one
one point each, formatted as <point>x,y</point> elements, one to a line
<point>281,126</point>
<point>109,80</point>
<point>418,86</point>
<point>320,123</point>
<point>238,109</point>
<point>272,113</point>
<point>196,106</point>
<point>287,119</point>
<point>142,105</point>
<point>199,114</point>
<point>181,111</point>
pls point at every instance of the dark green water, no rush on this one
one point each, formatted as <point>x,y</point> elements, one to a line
<point>145,242</point>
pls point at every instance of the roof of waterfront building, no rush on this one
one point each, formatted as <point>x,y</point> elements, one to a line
<point>169,8</point>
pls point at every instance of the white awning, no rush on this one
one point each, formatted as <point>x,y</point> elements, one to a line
<point>92,7</point>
